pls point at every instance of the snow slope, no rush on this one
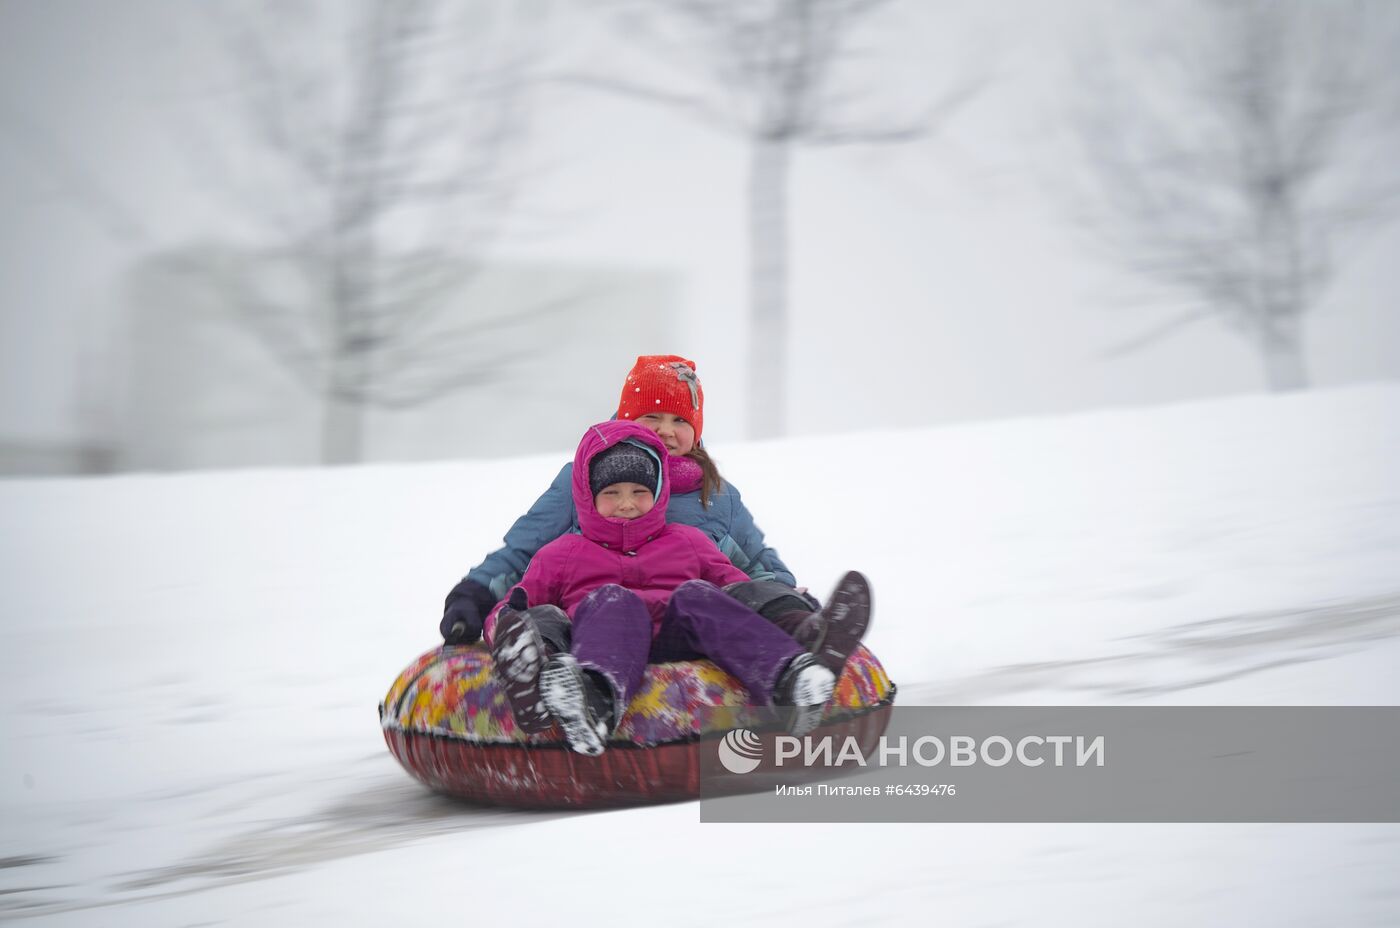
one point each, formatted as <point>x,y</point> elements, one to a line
<point>191,666</point>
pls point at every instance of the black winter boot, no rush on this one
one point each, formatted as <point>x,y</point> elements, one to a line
<point>519,653</point>
<point>580,701</point>
<point>806,686</point>
<point>844,620</point>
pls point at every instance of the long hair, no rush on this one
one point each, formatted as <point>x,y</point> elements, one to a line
<point>712,482</point>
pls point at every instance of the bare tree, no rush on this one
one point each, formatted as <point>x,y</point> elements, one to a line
<point>1228,167</point>
<point>396,125</point>
<point>773,76</point>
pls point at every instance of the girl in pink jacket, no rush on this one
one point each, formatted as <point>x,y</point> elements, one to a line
<point>639,590</point>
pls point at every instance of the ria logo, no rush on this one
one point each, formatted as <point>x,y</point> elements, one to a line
<point>740,751</point>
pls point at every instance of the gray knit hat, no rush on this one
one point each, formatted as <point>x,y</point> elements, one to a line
<point>624,462</point>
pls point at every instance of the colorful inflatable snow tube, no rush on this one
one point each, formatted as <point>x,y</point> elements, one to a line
<point>447,721</point>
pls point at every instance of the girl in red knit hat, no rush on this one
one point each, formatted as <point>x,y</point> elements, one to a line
<point>662,393</point>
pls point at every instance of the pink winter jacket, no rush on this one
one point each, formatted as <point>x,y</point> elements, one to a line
<point>646,555</point>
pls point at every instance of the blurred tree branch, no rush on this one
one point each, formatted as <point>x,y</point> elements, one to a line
<point>1227,167</point>
<point>391,129</point>
<point>770,70</point>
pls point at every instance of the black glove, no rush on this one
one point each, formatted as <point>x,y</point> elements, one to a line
<point>464,612</point>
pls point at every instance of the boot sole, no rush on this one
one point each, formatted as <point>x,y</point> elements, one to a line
<point>805,719</point>
<point>847,617</point>
<point>562,686</point>
<point>808,715</point>
<point>518,651</point>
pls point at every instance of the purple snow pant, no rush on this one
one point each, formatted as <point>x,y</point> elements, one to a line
<point>612,635</point>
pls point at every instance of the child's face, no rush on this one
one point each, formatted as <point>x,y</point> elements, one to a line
<point>624,501</point>
<point>677,434</point>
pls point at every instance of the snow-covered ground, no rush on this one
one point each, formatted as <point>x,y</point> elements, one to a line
<point>190,667</point>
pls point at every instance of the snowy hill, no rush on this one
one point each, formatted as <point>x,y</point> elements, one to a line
<point>192,663</point>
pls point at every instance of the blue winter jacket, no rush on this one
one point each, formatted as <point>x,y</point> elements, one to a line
<point>727,521</point>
